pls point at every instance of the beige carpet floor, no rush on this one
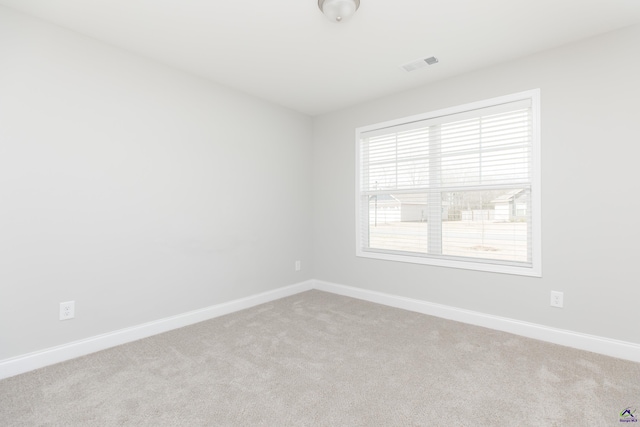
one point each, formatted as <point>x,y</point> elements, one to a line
<point>326,360</point>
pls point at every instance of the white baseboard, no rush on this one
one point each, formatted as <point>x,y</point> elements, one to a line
<point>609,347</point>
<point>28,362</point>
<point>50,356</point>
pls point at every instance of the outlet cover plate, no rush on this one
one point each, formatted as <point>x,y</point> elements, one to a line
<point>557,299</point>
<point>67,310</point>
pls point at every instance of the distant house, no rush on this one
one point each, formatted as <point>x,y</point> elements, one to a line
<point>510,206</point>
<point>387,208</point>
<point>384,209</point>
<point>413,207</point>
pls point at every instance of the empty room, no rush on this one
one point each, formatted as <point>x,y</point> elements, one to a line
<point>319,212</point>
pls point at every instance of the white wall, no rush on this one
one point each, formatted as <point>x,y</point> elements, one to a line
<point>132,188</point>
<point>590,95</point>
<point>136,190</point>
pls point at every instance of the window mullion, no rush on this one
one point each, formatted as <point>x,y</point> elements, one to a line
<point>396,162</point>
<point>434,196</point>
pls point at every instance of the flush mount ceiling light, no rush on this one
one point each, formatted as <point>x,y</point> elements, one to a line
<point>338,10</point>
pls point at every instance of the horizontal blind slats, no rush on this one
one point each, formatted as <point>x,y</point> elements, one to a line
<point>416,125</point>
<point>477,162</point>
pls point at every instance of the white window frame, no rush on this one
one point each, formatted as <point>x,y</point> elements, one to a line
<point>535,269</point>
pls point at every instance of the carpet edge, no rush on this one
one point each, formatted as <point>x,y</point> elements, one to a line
<point>606,346</point>
<point>49,356</point>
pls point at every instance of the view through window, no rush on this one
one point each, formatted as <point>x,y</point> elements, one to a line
<point>454,187</point>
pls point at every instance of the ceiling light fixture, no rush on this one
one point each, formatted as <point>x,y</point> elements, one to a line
<point>338,10</point>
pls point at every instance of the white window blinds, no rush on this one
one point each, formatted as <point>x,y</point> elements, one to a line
<point>453,185</point>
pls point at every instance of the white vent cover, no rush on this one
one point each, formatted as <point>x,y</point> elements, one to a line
<point>420,63</point>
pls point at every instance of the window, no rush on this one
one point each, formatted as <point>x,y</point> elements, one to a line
<point>458,187</point>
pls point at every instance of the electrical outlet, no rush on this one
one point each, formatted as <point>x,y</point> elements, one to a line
<point>557,299</point>
<point>67,310</point>
<point>297,266</point>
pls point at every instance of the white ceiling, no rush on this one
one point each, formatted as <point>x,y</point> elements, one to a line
<point>287,52</point>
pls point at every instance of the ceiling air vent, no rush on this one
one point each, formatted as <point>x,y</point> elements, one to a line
<point>420,63</point>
